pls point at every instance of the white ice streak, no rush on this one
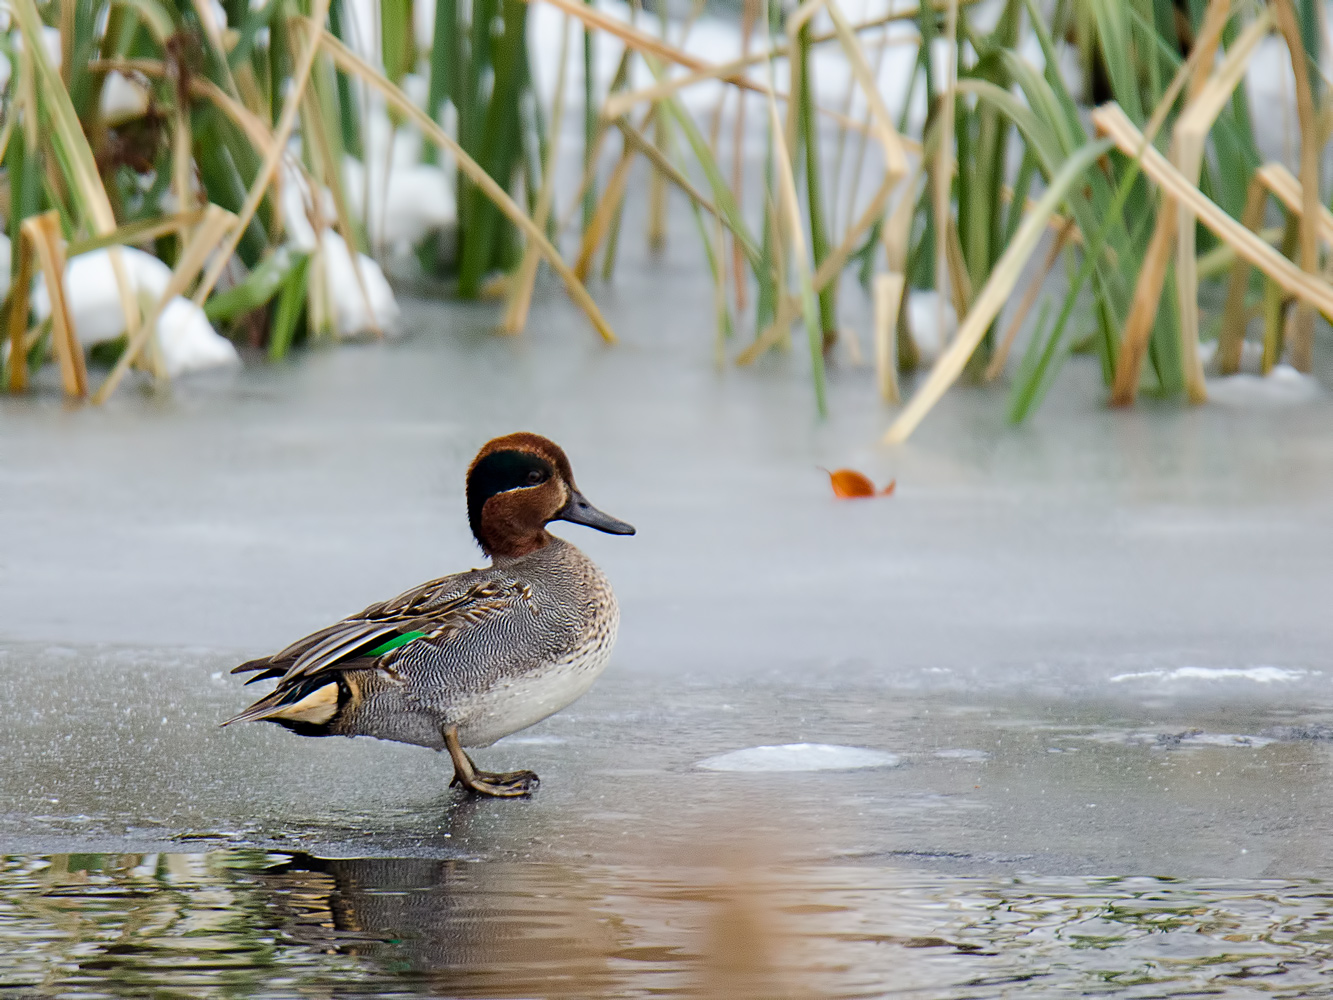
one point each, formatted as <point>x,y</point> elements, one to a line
<point>1260,674</point>
<point>800,757</point>
<point>962,753</point>
<point>187,340</point>
<point>544,739</point>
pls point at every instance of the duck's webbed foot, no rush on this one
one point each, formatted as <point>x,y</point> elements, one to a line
<point>501,784</point>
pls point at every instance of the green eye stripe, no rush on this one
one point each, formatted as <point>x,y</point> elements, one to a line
<point>394,643</point>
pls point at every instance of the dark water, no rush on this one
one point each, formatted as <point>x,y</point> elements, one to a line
<point>249,923</point>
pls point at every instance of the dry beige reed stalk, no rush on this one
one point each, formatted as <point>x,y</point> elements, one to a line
<point>643,42</point>
<point>895,158</point>
<point>1278,181</point>
<point>328,172</point>
<point>1231,339</point>
<point>888,295</point>
<point>750,11</point>
<point>732,72</point>
<point>790,216</point>
<point>18,319</point>
<point>1143,309</point>
<point>1111,121</point>
<point>1152,272</point>
<point>1302,343</point>
<point>41,234</point>
<point>1209,95</point>
<point>895,236</point>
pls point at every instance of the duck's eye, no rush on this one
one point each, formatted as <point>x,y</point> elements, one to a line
<point>536,476</point>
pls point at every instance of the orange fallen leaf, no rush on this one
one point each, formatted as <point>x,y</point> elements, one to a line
<point>848,484</point>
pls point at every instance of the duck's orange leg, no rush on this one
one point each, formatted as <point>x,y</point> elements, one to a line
<point>505,785</point>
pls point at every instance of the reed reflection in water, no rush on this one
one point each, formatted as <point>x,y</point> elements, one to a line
<point>249,923</point>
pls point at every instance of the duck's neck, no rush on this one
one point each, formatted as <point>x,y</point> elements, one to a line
<point>513,548</point>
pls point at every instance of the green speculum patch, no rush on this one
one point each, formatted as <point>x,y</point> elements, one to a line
<point>394,643</point>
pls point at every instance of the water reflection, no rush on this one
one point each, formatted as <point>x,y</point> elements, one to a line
<point>469,929</point>
<point>247,923</point>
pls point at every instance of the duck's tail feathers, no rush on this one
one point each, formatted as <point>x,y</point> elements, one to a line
<point>307,706</point>
<point>264,668</point>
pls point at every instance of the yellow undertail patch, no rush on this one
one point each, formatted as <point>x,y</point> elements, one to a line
<point>316,708</point>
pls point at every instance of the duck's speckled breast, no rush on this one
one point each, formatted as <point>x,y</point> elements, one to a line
<point>516,701</point>
<point>574,622</point>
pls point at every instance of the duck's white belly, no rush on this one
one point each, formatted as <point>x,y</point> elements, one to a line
<point>518,702</point>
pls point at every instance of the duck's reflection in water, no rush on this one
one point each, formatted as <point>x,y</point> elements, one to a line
<point>468,929</point>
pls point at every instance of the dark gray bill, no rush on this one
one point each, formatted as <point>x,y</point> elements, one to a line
<point>579,511</point>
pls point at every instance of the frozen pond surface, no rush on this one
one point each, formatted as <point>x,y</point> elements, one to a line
<point>1098,645</point>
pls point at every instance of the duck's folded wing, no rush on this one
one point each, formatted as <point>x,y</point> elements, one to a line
<point>310,689</point>
<point>422,610</point>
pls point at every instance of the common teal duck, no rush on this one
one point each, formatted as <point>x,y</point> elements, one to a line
<point>466,659</point>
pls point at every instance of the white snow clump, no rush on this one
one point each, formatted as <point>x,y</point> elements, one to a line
<point>188,341</point>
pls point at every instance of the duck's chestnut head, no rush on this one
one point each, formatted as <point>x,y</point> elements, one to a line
<point>517,485</point>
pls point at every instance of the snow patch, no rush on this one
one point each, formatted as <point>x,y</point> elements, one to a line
<point>123,99</point>
<point>1283,386</point>
<point>1251,357</point>
<point>188,341</point>
<point>800,757</point>
<point>414,200</point>
<point>354,311</point>
<point>923,322</point>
